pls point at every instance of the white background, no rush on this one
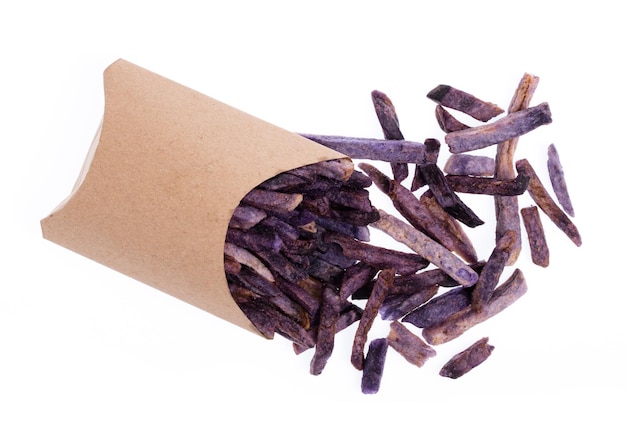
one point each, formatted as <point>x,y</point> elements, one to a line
<point>85,349</point>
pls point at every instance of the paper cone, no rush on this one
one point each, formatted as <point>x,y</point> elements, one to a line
<point>166,170</point>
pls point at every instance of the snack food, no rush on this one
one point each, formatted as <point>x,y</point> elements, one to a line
<point>442,287</point>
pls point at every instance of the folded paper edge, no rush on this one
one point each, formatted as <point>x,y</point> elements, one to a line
<point>71,224</point>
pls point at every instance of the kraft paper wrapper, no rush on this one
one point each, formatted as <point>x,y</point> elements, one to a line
<point>166,170</point>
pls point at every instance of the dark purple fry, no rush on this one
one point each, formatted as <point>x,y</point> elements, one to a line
<point>361,233</point>
<point>268,320</point>
<point>254,240</point>
<point>426,248</point>
<point>309,302</point>
<point>278,264</point>
<point>357,199</point>
<point>272,200</point>
<point>388,119</point>
<point>326,330</point>
<point>491,272</point>
<point>270,293</point>
<point>513,125</point>
<point>333,253</point>
<point>440,307</point>
<point>408,284</point>
<point>432,155</point>
<point>488,185</point>
<point>465,361</point>
<point>446,197</point>
<point>464,164</point>
<point>374,366</point>
<point>397,306</point>
<point>372,148</point>
<point>557,179</point>
<point>447,122</point>
<point>283,182</point>
<point>282,228</point>
<point>460,241</point>
<point>455,325</point>
<point>357,180</point>
<point>541,196</point>
<point>355,277</point>
<point>354,217</point>
<point>325,271</point>
<point>338,169</point>
<point>383,282</point>
<point>451,97</point>
<point>245,217</point>
<point>376,256</point>
<point>539,252</point>
<point>409,345</point>
<point>387,116</point>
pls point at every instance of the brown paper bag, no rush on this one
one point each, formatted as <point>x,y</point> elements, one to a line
<point>166,170</point>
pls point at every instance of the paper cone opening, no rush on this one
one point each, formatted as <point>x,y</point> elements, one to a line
<point>166,170</point>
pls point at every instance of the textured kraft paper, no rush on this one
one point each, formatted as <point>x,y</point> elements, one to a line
<point>166,170</point>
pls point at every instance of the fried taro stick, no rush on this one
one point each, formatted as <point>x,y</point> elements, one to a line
<point>440,308</point>
<point>396,306</point>
<point>409,345</point>
<point>505,128</point>
<point>401,151</point>
<point>464,164</point>
<point>539,251</point>
<point>462,244</point>
<point>507,207</point>
<point>541,196</point>
<point>418,214</point>
<point>455,325</point>
<point>355,277</point>
<point>382,285</point>
<point>467,103</point>
<point>427,248</point>
<point>268,320</point>
<point>245,257</point>
<point>432,146</point>
<point>491,272</point>
<point>465,361</point>
<point>447,122</point>
<point>488,185</point>
<point>378,257</point>
<point>557,178</point>
<point>340,169</point>
<point>272,200</point>
<point>326,329</point>
<point>245,217</point>
<point>374,366</point>
<point>388,119</point>
<point>446,197</point>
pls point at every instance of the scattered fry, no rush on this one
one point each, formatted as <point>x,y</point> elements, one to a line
<point>298,254</point>
<point>451,97</point>
<point>539,251</point>
<point>409,345</point>
<point>557,178</point>
<point>374,366</point>
<point>465,361</point>
<point>513,125</point>
<point>386,113</point>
